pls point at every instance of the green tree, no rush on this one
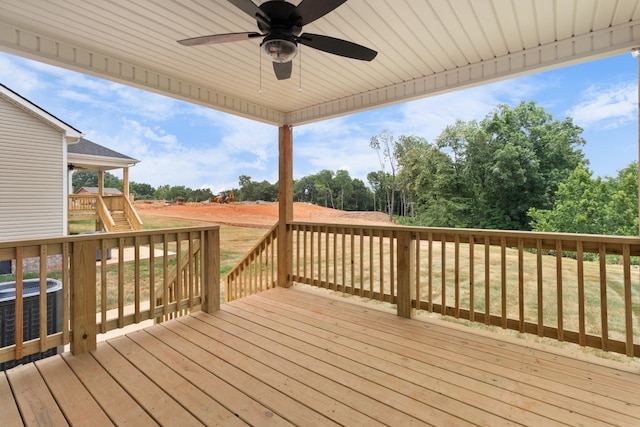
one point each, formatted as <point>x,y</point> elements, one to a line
<point>593,205</point>
<point>515,159</point>
<point>141,191</point>
<point>81,178</point>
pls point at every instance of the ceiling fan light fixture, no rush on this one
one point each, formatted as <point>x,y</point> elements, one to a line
<point>279,48</point>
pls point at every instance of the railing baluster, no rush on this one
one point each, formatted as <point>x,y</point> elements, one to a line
<point>417,267</point>
<point>604,320</point>
<point>311,255</point>
<point>371,264</point>
<point>191,271</point>
<point>305,253</point>
<point>457,276</point>
<point>430,269</point>
<point>152,277</point>
<point>540,287</point>
<point>392,275</point>
<point>66,297</point>
<point>103,285</point>
<point>335,259</point>
<point>165,276</point>
<point>361,231</point>
<point>297,228</point>
<point>120,282</point>
<point>19,304</point>
<point>320,283</point>
<point>43,298</point>
<point>344,259</point>
<point>381,260</point>
<point>487,280</point>
<point>581,309</point>
<point>136,279</point>
<point>443,274</point>
<point>352,281</point>
<point>559,288</point>
<point>628,306</point>
<point>472,284</point>
<point>503,281</point>
<point>521,285</point>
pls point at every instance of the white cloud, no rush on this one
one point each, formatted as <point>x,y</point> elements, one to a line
<point>18,78</point>
<point>606,107</point>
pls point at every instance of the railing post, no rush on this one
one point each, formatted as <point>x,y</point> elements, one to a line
<point>211,282</point>
<point>405,268</point>
<point>83,296</point>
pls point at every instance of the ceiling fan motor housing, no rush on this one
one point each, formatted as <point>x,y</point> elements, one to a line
<point>279,45</point>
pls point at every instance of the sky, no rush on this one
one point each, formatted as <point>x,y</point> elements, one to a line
<point>179,143</point>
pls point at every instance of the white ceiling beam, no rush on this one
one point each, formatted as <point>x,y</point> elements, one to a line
<point>594,45</point>
<point>26,43</point>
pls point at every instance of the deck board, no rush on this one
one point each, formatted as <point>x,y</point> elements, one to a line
<point>573,398</point>
<point>121,408</point>
<point>36,404</point>
<point>294,357</point>
<point>8,408</point>
<point>72,397</point>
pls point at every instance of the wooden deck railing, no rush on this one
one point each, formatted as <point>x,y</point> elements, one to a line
<point>82,204</point>
<point>99,296</point>
<point>583,289</point>
<point>256,272</point>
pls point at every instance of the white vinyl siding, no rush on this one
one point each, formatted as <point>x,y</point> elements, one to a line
<point>32,176</point>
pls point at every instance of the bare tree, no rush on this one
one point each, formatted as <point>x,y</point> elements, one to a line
<point>386,146</point>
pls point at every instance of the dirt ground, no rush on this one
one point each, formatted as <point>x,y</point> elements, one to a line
<point>259,215</point>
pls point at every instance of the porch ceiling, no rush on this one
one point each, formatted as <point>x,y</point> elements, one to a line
<point>425,47</point>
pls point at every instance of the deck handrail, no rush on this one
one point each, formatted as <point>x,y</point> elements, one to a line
<point>555,285</point>
<point>256,271</point>
<point>99,296</point>
<point>132,214</point>
<point>104,215</point>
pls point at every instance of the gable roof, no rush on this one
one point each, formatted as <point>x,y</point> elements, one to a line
<point>71,134</point>
<point>425,47</point>
<point>94,190</point>
<point>87,154</point>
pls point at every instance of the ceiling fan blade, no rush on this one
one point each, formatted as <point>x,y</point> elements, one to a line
<point>218,38</point>
<point>310,10</point>
<point>282,69</point>
<point>250,8</point>
<point>337,46</point>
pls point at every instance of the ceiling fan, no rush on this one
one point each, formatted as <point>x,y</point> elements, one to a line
<point>280,23</point>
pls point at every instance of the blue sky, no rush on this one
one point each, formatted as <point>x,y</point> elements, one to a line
<point>184,144</point>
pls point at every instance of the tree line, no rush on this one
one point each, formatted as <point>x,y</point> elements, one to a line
<point>516,169</point>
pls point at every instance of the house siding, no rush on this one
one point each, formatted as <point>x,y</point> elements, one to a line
<point>32,176</point>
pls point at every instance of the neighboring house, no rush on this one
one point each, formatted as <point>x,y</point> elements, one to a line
<point>33,171</point>
<point>39,152</point>
<point>94,190</point>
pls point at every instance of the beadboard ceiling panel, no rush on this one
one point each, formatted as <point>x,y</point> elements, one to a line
<point>426,47</point>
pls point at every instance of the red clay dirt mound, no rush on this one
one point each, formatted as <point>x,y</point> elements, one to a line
<point>259,215</point>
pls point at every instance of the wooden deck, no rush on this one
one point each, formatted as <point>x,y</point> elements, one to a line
<point>292,357</point>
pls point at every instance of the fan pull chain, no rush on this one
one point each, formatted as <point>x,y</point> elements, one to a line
<point>260,72</point>
<point>300,73</point>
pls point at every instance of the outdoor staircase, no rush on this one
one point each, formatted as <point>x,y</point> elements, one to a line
<point>121,220</point>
